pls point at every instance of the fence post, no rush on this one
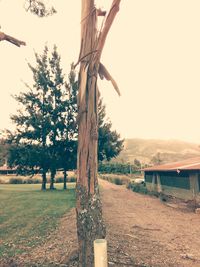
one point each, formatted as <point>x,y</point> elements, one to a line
<point>100,253</point>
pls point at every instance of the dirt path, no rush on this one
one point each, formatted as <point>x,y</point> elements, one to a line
<point>141,231</point>
<point>151,233</point>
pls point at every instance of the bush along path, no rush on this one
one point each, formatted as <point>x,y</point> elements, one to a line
<point>141,231</point>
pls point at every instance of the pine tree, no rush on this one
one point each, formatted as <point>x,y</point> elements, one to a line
<point>33,120</point>
<point>109,142</point>
<point>57,98</point>
<point>48,112</point>
<point>68,142</point>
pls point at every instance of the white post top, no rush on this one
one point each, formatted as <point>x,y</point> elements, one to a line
<point>100,253</point>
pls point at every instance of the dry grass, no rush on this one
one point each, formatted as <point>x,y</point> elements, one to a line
<point>4,179</point>
<point>119,178</point>
<point>115,178</point>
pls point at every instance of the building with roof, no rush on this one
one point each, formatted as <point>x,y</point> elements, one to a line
<point>5,170</point>
<point>180,179</point>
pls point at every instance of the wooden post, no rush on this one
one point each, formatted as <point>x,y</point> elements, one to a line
<point>100,253</point>
<point>194,183</point>
<point>153,184</point>
<point>159,185</point>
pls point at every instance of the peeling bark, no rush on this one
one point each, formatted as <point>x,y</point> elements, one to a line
<point>90,224</point>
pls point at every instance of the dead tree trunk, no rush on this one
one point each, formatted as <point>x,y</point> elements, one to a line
<point>90,225</point>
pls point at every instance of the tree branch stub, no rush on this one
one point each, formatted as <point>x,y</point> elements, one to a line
<point>5,37</point>
<point>108,23</point>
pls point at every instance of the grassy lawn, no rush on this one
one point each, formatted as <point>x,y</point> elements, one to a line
<point>28,215</point>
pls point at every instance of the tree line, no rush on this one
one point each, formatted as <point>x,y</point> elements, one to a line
<point>45,137</point>
<point>119,167</point>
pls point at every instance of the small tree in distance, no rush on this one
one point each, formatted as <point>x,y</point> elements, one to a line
<point>156,159</point>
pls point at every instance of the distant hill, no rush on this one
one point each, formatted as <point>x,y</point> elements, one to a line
<point>168,150</point>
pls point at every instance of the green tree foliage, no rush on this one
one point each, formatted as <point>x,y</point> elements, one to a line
<point>47,121</point>
<point>26,157</point>
<point>48,112</point>
<point>118,168</point>
<point>4,150</point>
<point>109,142</point>
<point>33,121</point>
<point>67,144</point>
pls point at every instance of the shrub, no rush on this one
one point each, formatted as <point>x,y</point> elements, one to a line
<point>139,188</point>
<point>18,180</point>
<point>59,180</point>
<point>129,185</point>
<point>71,179</point>
<point>115,179</point>
<point>118,181</point>
<point>32,181</point>
<point>15,181</point>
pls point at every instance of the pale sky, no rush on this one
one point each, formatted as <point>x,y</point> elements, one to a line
<point>152,51</point>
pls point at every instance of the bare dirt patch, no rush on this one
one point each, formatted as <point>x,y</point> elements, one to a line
<point>141,231</point>
<point>148,231</point>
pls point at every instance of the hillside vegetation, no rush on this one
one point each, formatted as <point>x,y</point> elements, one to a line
<point>168,150</point>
